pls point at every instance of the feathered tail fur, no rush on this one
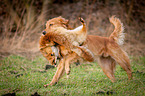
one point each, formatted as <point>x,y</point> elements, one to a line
<point>117,35</point>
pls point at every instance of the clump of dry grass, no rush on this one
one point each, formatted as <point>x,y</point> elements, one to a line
<point>23,21</point>
<point>22,27</point>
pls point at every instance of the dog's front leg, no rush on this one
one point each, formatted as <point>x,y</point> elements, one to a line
<point>69,58</point>
<point>60,71</point>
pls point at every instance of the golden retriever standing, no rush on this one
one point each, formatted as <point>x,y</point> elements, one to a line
<point>106,49</point>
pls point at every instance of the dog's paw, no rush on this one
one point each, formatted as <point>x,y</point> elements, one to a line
<point>52,83</point>
<point>46,85</point>
<point>68,71</point>
<point>82,20</point>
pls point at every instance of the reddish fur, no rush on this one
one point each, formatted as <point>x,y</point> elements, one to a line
<point>107,51</point>
<point>57,27</point>
<point>52,37</point>
<point>58,21</point>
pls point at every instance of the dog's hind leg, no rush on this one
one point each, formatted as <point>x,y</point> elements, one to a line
<point>122,59</point>
<point>108,66</point>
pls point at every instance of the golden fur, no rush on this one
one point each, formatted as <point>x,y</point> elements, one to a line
<point>58,33</point>
<point>76,36</point>
<point>106,49</point>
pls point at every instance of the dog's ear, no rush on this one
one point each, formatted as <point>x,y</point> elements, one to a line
<point>63,20</point>
<point>60,17</point>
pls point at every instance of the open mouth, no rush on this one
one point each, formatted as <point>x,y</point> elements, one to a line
<point>55,62</point>
<point>55,65</point>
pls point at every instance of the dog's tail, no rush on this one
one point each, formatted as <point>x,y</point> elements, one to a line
<point>117,35</point>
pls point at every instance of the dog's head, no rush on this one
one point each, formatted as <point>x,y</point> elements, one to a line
<point>51,53</point>
<point>48,47</point>
<point>57,22</point>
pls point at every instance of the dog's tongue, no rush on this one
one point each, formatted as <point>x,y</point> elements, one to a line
<point>55,65</point>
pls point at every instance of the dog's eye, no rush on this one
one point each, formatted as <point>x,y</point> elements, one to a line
<point>52,54</point>
<point>50,24</point>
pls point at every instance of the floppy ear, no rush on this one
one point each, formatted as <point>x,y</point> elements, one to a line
<point>59,17</point>
<point>64,23</point>
<point>63,20</point>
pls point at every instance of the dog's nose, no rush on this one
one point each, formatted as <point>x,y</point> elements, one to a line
<point>43,32</point>
<point>55,64</point>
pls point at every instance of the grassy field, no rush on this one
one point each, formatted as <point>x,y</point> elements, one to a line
<point>24,77</point>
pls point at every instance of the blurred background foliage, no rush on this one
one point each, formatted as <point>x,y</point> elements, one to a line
<point>22,22</point>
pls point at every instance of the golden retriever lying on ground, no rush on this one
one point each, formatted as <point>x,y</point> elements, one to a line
<point>106,49</point>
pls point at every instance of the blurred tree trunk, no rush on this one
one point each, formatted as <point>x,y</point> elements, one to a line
<point>44,13</point>
<point>107,2</point>
<point>130,11</point>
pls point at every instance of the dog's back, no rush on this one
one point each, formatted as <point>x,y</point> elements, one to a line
<point>101,43</point>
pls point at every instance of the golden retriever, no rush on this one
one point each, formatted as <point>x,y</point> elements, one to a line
<point>58,32</point>
<point>71,39</point>
<point>106,49</point>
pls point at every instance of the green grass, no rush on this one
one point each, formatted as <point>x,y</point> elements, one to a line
<point>25,77</point>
